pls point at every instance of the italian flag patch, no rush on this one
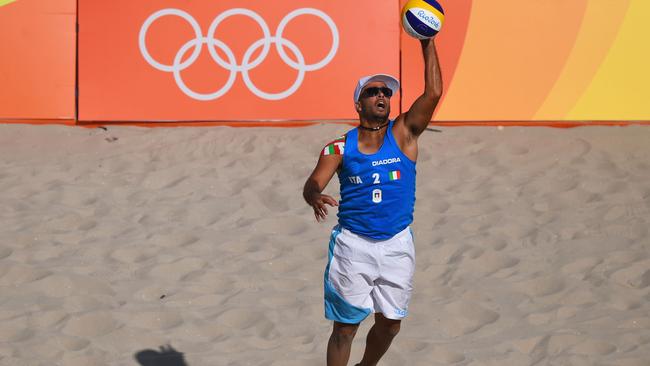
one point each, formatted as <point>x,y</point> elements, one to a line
<point>394,175</point>
<point>336,147</point>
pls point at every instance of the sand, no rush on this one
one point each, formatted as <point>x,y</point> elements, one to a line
<point>532,247</point>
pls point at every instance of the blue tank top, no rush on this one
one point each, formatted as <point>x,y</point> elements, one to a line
<point>377,190</point>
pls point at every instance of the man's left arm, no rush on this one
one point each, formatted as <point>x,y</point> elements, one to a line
<point>417,118</point>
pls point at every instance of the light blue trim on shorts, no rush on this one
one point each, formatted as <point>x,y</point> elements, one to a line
<point>336,308</point>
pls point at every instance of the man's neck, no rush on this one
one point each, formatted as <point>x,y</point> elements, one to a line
<point>373,125</point>
<point>374,128</point>
<point>371,136</point>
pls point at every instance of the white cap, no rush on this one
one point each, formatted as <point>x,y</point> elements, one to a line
<point>390,82</point>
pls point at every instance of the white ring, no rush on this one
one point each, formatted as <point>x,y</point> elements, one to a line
<point>277,96</point>
<point>143,34</point>
<point>265,30</point>
<point>326,19</point>
<point>191,93</point>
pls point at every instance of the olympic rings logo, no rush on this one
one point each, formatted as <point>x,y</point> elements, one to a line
<point>231,64</point>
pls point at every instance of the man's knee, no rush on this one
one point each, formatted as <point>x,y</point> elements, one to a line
<point>344,333</point>
<point>388,327</point>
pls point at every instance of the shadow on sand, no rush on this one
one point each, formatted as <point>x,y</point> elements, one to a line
<point>166,356</point>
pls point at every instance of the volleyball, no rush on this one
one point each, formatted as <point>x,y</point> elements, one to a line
<point>422,19</point>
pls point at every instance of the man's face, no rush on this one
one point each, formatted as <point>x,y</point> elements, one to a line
<point>374,100</point>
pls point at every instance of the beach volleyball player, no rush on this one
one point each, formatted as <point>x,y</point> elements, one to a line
<point>371,255</point>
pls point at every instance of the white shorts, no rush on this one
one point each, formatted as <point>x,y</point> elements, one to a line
<point>365,276</point>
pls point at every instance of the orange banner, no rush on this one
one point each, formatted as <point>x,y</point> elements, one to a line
<point>207,60</point>
<point>508,60</point>
<point>37,62</point>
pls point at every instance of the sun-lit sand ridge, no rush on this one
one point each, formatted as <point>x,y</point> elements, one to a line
<point>532,247</point>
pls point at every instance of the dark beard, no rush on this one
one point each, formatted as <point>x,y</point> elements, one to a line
<point>379,119</point>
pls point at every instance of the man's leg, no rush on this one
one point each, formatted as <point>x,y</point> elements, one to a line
<point>340,343</point>
<point>379,338</point>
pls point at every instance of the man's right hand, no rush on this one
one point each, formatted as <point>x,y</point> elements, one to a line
<point>319,203</point>
<point>315,184</point>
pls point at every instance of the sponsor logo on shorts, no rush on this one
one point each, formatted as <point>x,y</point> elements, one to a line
<point>386,161</point>
<point>401,312</point>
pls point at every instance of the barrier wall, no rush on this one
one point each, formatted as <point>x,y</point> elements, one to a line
<point>540,60</point>
<point>162,60</point>
<point>552,60</point>
<point>37,59</point>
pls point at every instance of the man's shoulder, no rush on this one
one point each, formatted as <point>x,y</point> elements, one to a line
<point>335,147</point>
<point>402,133</point>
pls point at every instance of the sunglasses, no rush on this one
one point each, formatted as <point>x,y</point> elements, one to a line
<point>373,91</point>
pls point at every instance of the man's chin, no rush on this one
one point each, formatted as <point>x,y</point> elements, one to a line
<point>381,115</point>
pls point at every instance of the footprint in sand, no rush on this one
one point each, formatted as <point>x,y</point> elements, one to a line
<point>535,347</point>
<point>292,363</point>
<point>52,346</point>
<point>16,330</point>
<point>491,262</point>
<point>255,249</point>
<point>208,300</point>
<point>18,274</point>
<point>208,213</point>
<point>162,179</point>
<point>560,343</point>
<point>82,303</point>
<point>273,199</point>
<point>63,223</point>
<point>624,301</point>
<point>310,253</point>
<point>604,187</point>
<point>636,276</point>
<point>68,343</point>
<point>177,270</point>
<point>212,283</point>
<point>240,318</point>
<point>282,302</point>
<point>636,323</point>
<point>629,362</point>
<point>464,318</point>
<point>287,263</point>
<point>592,347</point>
<point>281,225</point>
<point>448,253</point>
<point>542,286</point>
<point>75,359</point>
<point>173,240</point>
<point>66,285</point>
<point>579,297</point>
<point>93,324</point>
<point>636,229</point>
<point>517,149</point>
<point>87,225</point>
<point>622,258</point>
<point>134,254</point>
<point>156,320</point>
<point>46,319</point>
<point>581,267</point>
<point>292,285</point>
<point>427,351</point>
<point>5,252</point>
<point>153,293</point>
<point>475,225</point>
<point>577,149</point>
<point>440,206</point>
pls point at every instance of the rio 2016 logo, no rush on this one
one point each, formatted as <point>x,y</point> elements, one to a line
<point>231,64</point>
